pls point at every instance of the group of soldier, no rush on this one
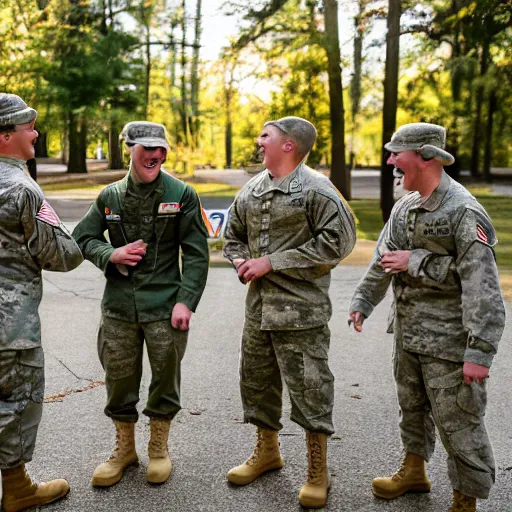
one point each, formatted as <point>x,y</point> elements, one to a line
<point>288,228</point>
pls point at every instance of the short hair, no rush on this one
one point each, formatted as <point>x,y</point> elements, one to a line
<point>299,130</point>
<point>7,128</point>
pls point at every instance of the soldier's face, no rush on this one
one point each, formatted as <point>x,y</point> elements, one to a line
<point>20,142</point>
<point>271,141</point>
<point>146,163</point>
<point>408,162</point>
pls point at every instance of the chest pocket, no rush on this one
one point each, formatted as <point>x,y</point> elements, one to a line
<point>167,227</point>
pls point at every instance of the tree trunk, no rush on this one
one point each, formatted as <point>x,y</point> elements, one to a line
<point>340,174</point>
<point>147,77</point>
<point>355,86</point>
<point>77,144</point>
<point>184,100</point>
<point>115,160</point>
<point>477,133</point>
<point>194,77</point>
<point>390,105</point>
<point>493,104</point>
<point>41,145</point>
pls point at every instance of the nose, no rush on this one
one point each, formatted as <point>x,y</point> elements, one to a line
<point>391,159</point>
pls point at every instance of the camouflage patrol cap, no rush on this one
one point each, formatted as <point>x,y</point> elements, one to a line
<point>301,131</point>
<point>150,135</point>
<point>13,110</point>
<point>428,139</point>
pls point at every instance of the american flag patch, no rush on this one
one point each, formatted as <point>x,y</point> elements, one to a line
<point>47,214</point>
<point>481,234</point>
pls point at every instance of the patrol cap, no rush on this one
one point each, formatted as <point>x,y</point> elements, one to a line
<point>150,135</point>
<point>302,132</point>
<point>428,139</point>
<point>13,110</point>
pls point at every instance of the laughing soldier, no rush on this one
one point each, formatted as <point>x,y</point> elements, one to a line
<point>149,216</point>
<point>288,228</point>
<point>31,238</point>
<point>437,251</point>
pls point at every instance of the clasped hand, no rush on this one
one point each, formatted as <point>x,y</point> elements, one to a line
<point>254,268</point>
<point>395,261</point>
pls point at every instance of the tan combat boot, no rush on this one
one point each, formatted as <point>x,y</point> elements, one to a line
<point>410,477</point>
<point>20,493</point>
<point>314,493</point>
<point>462,503</point>
<point>124,455</point>
<point>160,465</point>
<point>266,456</point>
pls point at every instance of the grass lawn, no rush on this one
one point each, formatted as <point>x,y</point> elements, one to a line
<point>498,207</point>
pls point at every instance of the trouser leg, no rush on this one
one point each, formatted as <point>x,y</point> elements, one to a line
<point>120,347</point>
<point>416,424</point>
<point>303,360</point>
<point>459,414</point>
<point>166,348</point>
<point>260,379</point>
<point>21,401</point>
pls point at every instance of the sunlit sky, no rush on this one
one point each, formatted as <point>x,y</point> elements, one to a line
<point>218,28</point>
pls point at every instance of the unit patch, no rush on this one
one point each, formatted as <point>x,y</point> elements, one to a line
<point>168,208</point>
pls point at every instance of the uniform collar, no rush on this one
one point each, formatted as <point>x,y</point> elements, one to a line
<point>289,184</point>
<point>14,166</point>
<point>434,200</point>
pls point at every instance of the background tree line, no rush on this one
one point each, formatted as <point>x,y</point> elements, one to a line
<point>89,66</point>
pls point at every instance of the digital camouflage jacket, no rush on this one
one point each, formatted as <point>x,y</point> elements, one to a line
<point>32,238</point>
<point>449,303</point>
<point>305,228</point>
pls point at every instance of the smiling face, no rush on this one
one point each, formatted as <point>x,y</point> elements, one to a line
<point>271,142</point>
<point>410,163</point>
<point>146,162</point>
<point>19,143</point>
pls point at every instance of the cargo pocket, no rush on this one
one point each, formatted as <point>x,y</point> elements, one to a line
<point>317,381</point>
<point>32,366</point>
<point>11,379</point>
<point>472,398</point>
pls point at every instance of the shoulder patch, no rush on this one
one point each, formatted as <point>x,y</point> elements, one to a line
<point>47,214</point>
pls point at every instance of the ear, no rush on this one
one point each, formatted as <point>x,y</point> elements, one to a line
<point>288,146</point>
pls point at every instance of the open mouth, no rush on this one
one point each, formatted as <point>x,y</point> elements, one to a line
<point>151,164</point>
<point>398,173</point>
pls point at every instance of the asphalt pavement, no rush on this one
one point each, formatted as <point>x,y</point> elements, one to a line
<point>208,437</point>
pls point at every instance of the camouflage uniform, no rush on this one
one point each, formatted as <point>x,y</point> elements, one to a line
<point>138,306</point>
<point>31,239</point>
<point>448,309</point>
<point>306,229</point>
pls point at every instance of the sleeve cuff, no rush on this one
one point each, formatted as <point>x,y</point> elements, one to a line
<point>361,305</point>
<point>416,261</point>
<point>479,351</point>
<point>190,299</point>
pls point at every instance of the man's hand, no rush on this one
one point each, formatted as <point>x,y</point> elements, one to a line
<point>395,261</point>
<point>237,262</point>
<point>129,254</point>
<point>474,372</point>
<point>254,268</point>
<point>357,318</point>
<point>180,318</point>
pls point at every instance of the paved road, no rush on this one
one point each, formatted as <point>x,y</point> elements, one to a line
<point>207,437</point>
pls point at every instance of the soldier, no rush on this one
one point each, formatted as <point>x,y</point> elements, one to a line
<point>31,238</point>
<point>437,251</point>
<point>288,228</point>
<point>149,216</point>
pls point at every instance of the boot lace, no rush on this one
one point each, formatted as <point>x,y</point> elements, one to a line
<point>253,459</point>
<point>399,474</point>
<point>315,461</point>
<point>158,440</point>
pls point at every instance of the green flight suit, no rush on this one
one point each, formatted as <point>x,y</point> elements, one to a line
<point>166,214</point>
